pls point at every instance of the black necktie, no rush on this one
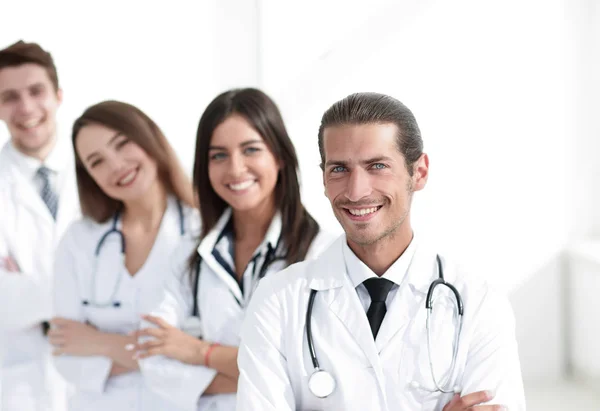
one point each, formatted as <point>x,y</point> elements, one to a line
<point>378,289</point>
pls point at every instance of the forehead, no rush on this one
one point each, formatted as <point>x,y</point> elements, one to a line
<point>23,76</point>
<point>346,142</point>
<point>233,131</point>
<point>93,137</point>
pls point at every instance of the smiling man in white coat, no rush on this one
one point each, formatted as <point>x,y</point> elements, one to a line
<point>38,200</point>
<point>349,330</point>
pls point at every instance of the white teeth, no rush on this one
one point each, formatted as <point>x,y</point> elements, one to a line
<point>31,123</point>
<point>362,211</point>
<point>241,186</point>
<point>128,178</point>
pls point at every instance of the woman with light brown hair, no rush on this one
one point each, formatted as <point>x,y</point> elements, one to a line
<point>138,206</point>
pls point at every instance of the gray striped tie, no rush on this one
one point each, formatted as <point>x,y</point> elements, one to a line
<point>47,193</point>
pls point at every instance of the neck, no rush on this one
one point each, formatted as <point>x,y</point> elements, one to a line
<point>380,255</point>
<point>148,210</point>
<point>40,153</point>
<point>252,225</point>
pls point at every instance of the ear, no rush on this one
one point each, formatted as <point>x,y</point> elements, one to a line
<point>59,95</point>
<point>420,172</point>
<point>323,179</point>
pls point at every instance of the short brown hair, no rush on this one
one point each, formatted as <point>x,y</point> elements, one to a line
<point>139,128</point>
<point>375,108</point>
<point>23,53</point>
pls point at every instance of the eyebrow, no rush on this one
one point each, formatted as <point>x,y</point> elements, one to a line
<point>368,161</point>
<point>30,86</point>
<point>95,153</point>
<point>8,92</point>
<point>244,144</point>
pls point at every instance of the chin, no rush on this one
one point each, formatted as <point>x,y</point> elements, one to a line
<point>244,205</point>
<point>34,142</point>
<point>362,237</point>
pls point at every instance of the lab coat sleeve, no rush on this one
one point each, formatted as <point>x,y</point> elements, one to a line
<point>493,359</point>
<point>172,379</point>
<point>264,384</point>
<point>26,300</point>
<point>85,373</point>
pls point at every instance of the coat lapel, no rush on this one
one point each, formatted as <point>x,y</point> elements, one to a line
<point>27,196</point>
<point>409,299</point>
<point>329,276</point>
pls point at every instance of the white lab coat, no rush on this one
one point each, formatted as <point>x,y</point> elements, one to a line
<point>95,389</point>
<point>275,364</point>
<point>220,313</point>
<point>29,234</point>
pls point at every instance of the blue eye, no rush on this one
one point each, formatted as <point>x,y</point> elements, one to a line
<point>218,156</point>
<point>379,166</point>
<point>338,169</point>
<point>251,150</point>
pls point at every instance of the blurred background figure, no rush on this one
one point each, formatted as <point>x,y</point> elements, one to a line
<point>507,96</point>
<point>253,225</point>
<point>138,208</point>
<point>38,200</point>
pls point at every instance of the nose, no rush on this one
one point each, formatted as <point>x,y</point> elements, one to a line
<point>115,163</point>
<point>26,104</point>
<point>237,165</point>
<point>359,185</point>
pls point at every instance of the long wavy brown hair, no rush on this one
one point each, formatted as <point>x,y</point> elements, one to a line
<point>139,128</point>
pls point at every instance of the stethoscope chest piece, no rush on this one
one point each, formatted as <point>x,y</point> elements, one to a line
<point>321,384</point>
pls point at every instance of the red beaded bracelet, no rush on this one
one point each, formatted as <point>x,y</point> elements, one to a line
<point>208,351</point>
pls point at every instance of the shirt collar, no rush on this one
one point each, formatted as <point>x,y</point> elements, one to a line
<point>359,272</point>
<point>28,166</point>
<point>224,227</point>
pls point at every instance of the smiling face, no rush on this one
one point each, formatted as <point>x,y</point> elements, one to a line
<point>28,105</point>
<point>241,167</point>
<point>367,181</point>
<point>120,167</point>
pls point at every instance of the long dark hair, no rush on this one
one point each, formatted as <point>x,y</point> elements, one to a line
<point>139,128</point>
<point>298,227</point>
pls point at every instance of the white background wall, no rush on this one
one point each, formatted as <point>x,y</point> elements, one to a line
<point>505,93</point>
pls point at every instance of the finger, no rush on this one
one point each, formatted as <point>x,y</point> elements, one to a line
<point>140,355</point>
<point>145,346</point>
<point>454,400</point>
<point>57,341</point>
<point>475,398</point>
<point>58,351</point>
<point>55,332</point>
<point>11,265</point>
<point>151,332</point>
<point>157,321</point>
<point>61,322</point>
<point>489,408</point>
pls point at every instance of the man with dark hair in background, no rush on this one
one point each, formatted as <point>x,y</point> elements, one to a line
<point>38,200</point>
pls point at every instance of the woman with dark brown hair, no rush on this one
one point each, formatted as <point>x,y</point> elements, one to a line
<point>110,266</point>
<point>253,225</point>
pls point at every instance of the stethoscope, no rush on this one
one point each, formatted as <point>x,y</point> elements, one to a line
<point>193,325</point>
<point>322,384</point>
<point>271,257</point>
<point>112,301</point>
